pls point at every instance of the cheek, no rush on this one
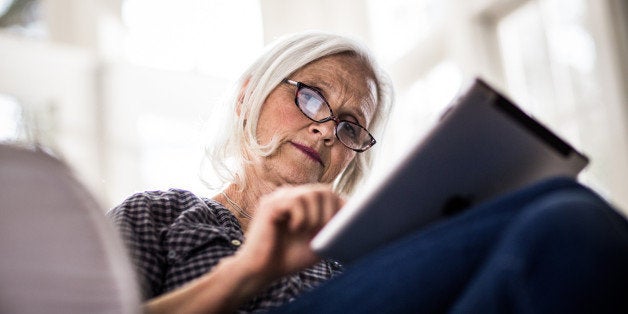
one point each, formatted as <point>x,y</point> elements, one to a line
<point>273,120</point>
<point>265,125</point>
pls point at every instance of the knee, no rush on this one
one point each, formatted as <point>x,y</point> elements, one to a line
<point>572,218</point>
<point>572,246</point>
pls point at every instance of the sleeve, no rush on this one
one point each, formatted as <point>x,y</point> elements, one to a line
<point>142,219</point>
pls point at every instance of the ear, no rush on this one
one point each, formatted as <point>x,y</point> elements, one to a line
<point>245,84</point>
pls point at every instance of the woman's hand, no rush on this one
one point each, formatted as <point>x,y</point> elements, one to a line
<point>285,221</point>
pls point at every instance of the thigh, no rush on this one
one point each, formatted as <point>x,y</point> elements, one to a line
<point>429,269</point>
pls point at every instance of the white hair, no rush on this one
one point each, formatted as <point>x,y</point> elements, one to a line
<point>232,149</point>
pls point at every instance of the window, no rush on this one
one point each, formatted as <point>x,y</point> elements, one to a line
<point>552,68</point>
<point>549,60</point>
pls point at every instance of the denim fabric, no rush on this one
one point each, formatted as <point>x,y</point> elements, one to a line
<point>554,246</point>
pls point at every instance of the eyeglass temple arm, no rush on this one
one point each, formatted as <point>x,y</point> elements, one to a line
<point>291,82</point>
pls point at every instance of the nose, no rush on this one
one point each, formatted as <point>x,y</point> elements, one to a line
<point>324,130</point>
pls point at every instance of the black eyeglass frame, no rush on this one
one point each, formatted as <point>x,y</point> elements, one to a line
<point>331,116</point>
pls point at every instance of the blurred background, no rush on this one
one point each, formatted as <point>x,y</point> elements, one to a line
<point>124,89</point>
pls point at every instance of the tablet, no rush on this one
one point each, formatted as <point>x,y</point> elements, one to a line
<point>483,146</point>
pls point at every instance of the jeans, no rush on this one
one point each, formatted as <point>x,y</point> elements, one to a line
<point>552,247</point>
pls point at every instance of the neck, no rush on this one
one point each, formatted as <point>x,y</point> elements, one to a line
<point>245,197</point>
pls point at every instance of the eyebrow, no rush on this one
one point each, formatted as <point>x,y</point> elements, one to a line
<point>325,84</point>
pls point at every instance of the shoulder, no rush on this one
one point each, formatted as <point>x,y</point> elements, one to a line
<point>164,207</point>
<point>146,219</point>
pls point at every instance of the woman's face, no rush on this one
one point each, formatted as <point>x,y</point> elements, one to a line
<point>309,151</point>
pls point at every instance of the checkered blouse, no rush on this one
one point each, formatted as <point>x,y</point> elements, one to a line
<point>174,236</point>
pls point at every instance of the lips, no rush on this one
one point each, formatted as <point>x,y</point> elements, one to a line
<point>308,151</point>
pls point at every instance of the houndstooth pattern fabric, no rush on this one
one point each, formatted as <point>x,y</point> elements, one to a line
<point>174,237</point>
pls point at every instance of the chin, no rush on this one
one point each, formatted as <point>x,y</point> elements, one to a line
<point>301,178</point>
<point>299,181</point>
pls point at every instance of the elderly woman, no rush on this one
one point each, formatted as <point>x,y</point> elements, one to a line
<point>300,137</point>
<point>302,125</point>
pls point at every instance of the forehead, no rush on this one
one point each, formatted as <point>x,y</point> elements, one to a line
<point>344,79</point>
<point>342,65</point>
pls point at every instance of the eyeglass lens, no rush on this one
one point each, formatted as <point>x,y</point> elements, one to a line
<point>314,106</point>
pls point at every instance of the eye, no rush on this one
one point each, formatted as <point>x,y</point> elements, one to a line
<point>310,102</point>
<point>351,130</point>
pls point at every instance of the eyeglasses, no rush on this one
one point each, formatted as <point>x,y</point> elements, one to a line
<point>314,106</point>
